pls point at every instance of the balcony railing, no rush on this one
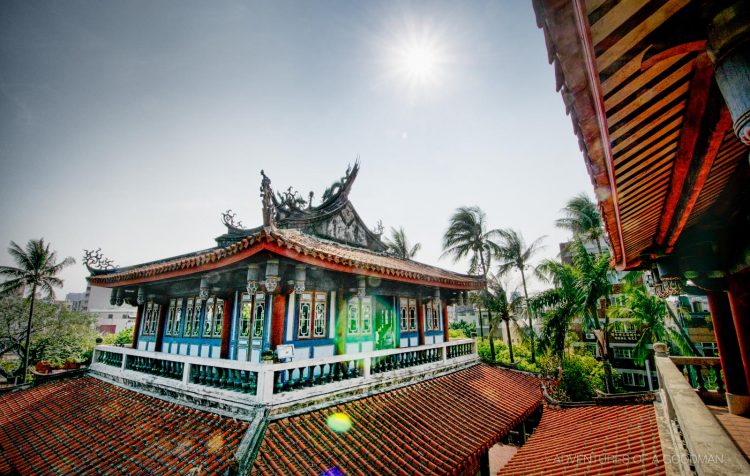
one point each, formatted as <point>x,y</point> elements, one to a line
<point>702,373</point>
<point>702,444</point>
<point>234,383</point>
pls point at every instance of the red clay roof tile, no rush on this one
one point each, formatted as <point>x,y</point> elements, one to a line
<point>439,426</point>
<point>618,439</point>
<point>87,426</point>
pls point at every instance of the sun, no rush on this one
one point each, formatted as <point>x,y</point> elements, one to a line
<point>420,62</point>
<point>417,58</point>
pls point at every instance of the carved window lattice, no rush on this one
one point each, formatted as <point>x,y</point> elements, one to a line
<point>432,316</point>
<point>259,315</point>
<point>151,318</point>
<point>174,317</point>
<point>246,312</point>
<point>359,314</point>
<point>192,317</point>
<point>214,315</point>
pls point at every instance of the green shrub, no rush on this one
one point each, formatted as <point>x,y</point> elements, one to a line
<point>124,337</point>
<point>468,328</point>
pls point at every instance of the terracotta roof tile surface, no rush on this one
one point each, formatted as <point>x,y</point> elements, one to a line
<point>440,426</point>
<point>613,440</point>
<point>296,245</point>
<point>87,426</point>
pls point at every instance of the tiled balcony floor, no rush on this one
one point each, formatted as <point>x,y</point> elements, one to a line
<point>736,426</point>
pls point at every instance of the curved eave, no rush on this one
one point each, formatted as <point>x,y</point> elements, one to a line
<point>567,36</point>
<point>274,243</point>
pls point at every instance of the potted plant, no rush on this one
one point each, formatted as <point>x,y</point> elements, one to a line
<point>267,356</point>
<point>71,364</point>
<point>43,367</point>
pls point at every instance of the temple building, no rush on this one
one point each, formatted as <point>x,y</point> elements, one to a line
<point>315,278</point>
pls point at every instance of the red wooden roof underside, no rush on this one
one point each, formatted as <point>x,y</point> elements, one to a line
<point>637,111</point>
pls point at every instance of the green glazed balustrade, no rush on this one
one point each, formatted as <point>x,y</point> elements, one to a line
<point>110,358</point>
<point>320,374</point>
<point>459,350</point>
<point>162,368</point>
<point>244,381</point>
<point>404,360</point>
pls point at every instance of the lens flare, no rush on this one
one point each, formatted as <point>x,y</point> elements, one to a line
<point>339,422</point>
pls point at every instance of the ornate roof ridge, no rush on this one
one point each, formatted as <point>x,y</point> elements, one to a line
<point>299,246</point>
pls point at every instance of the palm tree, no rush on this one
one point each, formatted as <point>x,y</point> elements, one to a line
<point>561,304</point>
<point>514,254</point>
<point>37,268</point>
<point>593,283</point>
<point>398,244</point>
<point>648,312</point>
<point>583,219</point>
<point>468,236</point>
<point>496,300</point>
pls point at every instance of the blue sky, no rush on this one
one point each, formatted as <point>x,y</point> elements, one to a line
<point>131,126</point>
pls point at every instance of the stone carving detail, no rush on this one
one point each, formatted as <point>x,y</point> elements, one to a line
<point>271,283</point>
<point>338,229</point>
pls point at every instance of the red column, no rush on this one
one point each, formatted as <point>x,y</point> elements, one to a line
<point>726,339</point>
<point>226,327</point>
<point>739,301</point>
<point>445,322</point>
<point>277,320</point>
<point>420,320</point>
<point>160,326</point>
<point>137,327</point>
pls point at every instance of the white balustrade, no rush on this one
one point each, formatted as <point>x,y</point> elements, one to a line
<point>279,382</point>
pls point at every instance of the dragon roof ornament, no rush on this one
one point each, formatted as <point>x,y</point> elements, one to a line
<point>96,262</point>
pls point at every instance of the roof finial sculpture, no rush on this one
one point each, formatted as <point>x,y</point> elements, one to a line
<point>266,193</point>
<point>96,261</point>
<point>229,219</point>
<point>343,186</point>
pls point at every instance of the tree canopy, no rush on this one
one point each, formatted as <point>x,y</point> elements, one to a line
<point>399,245</point>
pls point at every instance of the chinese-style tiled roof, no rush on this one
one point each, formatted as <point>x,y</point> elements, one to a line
<point>297,246</point>
<point>618,439</point>
<point>655,133</point>
<point>440,426</point>
<point>87,426</point>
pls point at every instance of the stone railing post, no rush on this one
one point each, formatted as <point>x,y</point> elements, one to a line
<point>265,385</point>
<point>186,373</point>
<point>124,364</point>
<point>366,366</point>
<point>444,350</point>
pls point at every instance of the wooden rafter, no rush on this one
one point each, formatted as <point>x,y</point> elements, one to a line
<point>700,85</point>
<point>700,175</point>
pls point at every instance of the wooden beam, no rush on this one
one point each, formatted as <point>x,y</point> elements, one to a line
<point>700,85</point>
<point>640,32</point>
<point>700,174</point>
<point>652,58</point>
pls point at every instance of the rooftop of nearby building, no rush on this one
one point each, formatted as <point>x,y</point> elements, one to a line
<point>618,439</point>
<point>88,426</point>
<point>439,426</point>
